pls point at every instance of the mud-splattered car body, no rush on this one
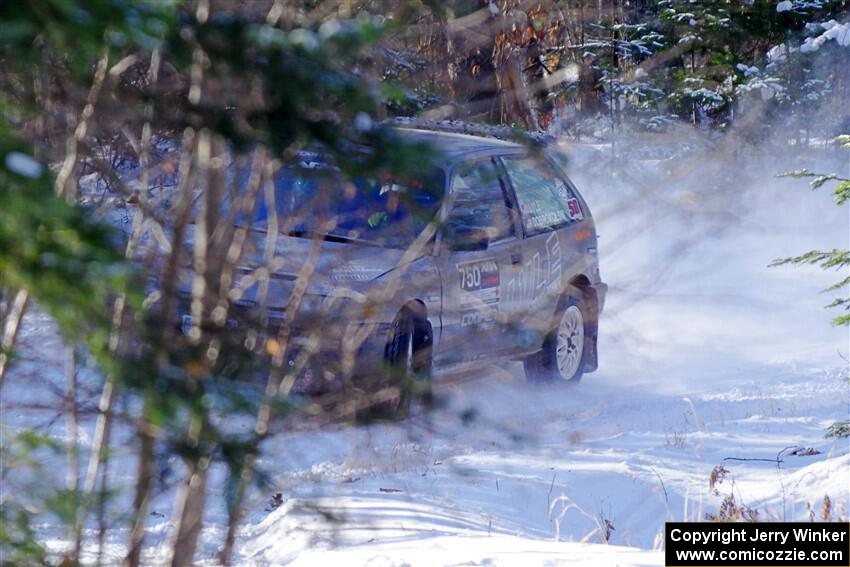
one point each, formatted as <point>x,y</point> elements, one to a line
<point>512,242</point>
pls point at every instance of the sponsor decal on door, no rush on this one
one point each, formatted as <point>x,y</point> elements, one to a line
<point>480,291</point>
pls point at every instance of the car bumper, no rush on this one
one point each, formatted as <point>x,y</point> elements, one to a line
<point>319,352</point>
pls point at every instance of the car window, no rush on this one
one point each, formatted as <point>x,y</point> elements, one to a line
<point>545,200</point>
<point>479,202</point>
<point>386,211</point>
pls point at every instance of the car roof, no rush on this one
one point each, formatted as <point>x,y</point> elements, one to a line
<point>456,146</point>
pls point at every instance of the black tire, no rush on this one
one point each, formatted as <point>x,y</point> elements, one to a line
<point>543,366</point>
<point>408,357</point>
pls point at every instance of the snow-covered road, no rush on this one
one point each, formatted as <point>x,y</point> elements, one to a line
<point>605,461</point>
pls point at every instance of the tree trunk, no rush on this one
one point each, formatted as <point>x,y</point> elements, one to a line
<point>513,94</point>
<point>73,483</point>
<point>190,511</point>
<point>17,308</point>
<point>144,486</point>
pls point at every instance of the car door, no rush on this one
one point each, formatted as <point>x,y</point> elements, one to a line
<point>479,244</point>
<point>550,215</point>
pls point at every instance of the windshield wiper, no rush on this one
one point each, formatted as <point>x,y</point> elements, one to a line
<point>328,237</point>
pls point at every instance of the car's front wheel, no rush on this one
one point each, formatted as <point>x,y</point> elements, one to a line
<point>408,367</point>
<point>565,347</point>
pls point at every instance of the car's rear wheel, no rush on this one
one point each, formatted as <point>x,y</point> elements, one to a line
<point>565,348</point>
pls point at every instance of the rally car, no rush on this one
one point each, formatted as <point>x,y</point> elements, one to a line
<point>493,255</point>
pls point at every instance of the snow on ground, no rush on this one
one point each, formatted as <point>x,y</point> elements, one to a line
<point>708,359</point>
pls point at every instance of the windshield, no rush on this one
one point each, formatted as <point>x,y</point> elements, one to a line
<point>383,212</point>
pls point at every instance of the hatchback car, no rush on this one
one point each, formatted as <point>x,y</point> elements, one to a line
<point>491,256</point>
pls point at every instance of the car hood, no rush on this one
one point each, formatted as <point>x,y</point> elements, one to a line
<point>338,268</point>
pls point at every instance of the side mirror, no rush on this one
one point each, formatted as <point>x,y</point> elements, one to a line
<point>466,238</point>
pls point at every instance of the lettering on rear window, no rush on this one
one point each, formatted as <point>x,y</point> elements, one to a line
<point>545,199</point>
